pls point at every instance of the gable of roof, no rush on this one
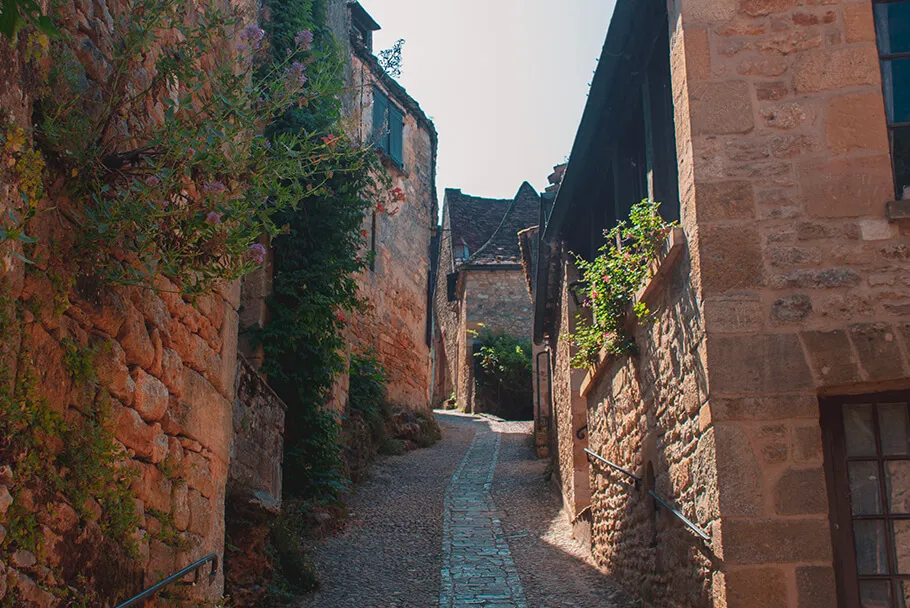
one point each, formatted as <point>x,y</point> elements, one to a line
<point>503,246</point>
<point>473,219</point>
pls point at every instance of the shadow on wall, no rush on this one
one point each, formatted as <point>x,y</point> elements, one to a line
<point>644,417</point>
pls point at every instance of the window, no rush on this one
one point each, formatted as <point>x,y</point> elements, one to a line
<point>867,457</point>
<point>452,286</point>
<point>461,253</point>
<point>388,124</point>
<point>892,26</point>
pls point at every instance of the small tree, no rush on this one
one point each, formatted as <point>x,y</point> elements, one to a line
<point>503,372</point>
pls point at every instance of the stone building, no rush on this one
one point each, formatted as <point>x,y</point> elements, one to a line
<point>399,232</point>
<point>397,285</point>
<point>767,402</point>
<point>479,284</point>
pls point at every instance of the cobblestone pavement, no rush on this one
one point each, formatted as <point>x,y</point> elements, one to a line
<point>471,522</point>
<point>477,566</point>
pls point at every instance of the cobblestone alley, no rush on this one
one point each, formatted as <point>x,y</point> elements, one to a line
<point>470,522</point>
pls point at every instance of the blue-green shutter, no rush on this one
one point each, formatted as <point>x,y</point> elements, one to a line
<point>396,125</point>
<point>380,119</point>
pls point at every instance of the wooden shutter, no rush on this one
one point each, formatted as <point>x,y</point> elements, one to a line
<point>396,126</point>
<point>380,119</point>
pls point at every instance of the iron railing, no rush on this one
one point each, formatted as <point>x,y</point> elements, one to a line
<point>636,481</point>
<point>194,567</point>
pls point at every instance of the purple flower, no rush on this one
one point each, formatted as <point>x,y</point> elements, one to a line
<point>163,203</point>
<point>213,188</point>
<point>254,35</point>
<point>213,218</point>
<point>257,252</point>
<point>304,39</point>
<point>151,181</point>
<point>296,73</point>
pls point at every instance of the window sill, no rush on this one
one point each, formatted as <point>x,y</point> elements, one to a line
<point>660,269</point>
<point>898,211</point>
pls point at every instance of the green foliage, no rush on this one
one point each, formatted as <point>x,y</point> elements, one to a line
<point>367,391</point>
<point>503,373</point>
<point>316,259</point>
<point>190,191</point>
<point>390,59</point>
<point>609,283</point>
<point>17,14</point>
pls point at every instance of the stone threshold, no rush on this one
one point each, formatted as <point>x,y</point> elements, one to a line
<point>660,269</point>
<point>898,211</point>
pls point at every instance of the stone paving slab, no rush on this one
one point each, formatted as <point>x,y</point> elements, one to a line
<point>477,566</point>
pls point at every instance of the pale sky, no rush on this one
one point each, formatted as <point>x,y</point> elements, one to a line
<point>505,81</point>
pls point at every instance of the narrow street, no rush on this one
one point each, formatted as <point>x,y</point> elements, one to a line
<point>471,521</point>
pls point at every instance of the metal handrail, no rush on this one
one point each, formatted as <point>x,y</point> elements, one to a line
<point>678,514</point>
<point>664,503</point>
<point>636,479</point>
<point>213,557</point>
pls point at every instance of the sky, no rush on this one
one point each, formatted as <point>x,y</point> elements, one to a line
<point>505,81</point>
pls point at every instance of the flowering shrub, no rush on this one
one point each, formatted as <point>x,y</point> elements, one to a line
<point>610,280</point>
<point>189,193</point>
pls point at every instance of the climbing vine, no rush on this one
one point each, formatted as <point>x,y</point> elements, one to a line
<point>59,462</point>
<point>609,282</point>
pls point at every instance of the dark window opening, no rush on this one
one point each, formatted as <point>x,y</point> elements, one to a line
<point>452,286</point>
<point>388,127</point>
<point>892,27</point>
<point>639,154</point>
<point>461,253</point>
<point>867,463</point>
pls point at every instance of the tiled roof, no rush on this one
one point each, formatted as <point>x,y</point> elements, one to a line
<point>474,219</point>
<point>490,227</point>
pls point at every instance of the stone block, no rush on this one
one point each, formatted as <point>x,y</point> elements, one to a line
<point>801,492</point>
<point>812,278</point>
<point>198,474</point>
<point>153,488</point>
<point>110,365</point>
<point>181,506</point>
<point>859,25</point>
<point>831,357</point>
<point>846,188</point>
<point>815,585</point>
<point>791,308</point>
<point>739,476</point>
<point>107,312</point>
<point>200,509</point>
<point>766,363</point>
<point>878,350</point>
<point>719,108</point>
<point>54,379</point>
<point>789,115</point>
<point>730,200</point>
<point>768,541</point>
<point>172,372</point>
<point>758,8</point>
<point>135,340</point>
<point>148,441</point>
<point>807,443</point>
<point>204,415</point>
<point>856,122</point>
<point>836,69</point>
<point>709,11</point>
<point>772,91</point>
<point>756,587</point>
<point>151,396</point>
<point>731,258</point>
<point>733,314</point>
<point>698,54</point>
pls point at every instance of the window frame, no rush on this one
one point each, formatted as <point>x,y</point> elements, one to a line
<point>886,96</point>
<point>840,514</point>
<point>388,130</point>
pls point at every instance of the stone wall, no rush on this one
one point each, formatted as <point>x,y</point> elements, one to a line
<point>163,363</point>
<point>803,278</point>
<point>254,476</point>
<point>448,340</point>
<point>396,322</point>
<point>794,286</point>
<point>499,299</point>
